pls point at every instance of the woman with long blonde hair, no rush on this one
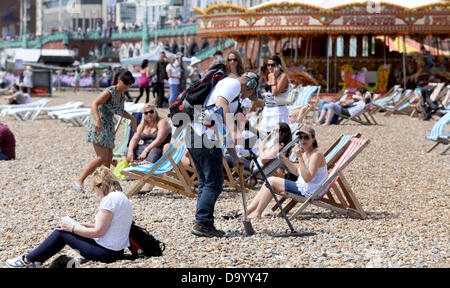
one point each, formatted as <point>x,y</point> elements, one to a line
<point>104,240</point>
<point>151,135</point>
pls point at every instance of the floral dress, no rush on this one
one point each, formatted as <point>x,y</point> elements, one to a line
<point>106,111</point>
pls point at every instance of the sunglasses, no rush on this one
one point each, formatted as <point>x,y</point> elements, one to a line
<point>149,112</point>
<point>304,137</point>
<point>232,59</point>
<point>271,64</point>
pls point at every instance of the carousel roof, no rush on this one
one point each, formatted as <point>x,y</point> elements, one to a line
<point>328,4</point>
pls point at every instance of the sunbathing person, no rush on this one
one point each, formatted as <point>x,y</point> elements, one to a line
<point>311,170</point>
<point>19,95</point>
<point>154,132</point>
<point>103,241</point>
<point>361,97</point>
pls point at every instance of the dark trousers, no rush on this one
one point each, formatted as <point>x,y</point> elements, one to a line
<point>87,247</point>
<point>209,166</point>
<point>160,94</point>
<point>141,92</point>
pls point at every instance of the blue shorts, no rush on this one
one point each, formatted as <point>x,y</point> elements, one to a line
<point>291,187</point>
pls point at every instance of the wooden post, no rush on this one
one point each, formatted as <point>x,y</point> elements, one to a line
<point>404,63</point>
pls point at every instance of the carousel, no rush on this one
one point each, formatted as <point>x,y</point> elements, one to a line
<point>341,44</point>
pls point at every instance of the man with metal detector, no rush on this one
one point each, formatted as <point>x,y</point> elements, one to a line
<point>205,146</point>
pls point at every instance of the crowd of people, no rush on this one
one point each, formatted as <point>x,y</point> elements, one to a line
<point>240,93</point>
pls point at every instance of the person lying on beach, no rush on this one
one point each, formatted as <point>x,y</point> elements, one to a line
<point>361,97</point>
<point>311,170</point>
<point>103,241</point>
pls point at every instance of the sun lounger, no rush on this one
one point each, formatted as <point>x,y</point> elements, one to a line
<point>438,135</point>
<point>6,108</point>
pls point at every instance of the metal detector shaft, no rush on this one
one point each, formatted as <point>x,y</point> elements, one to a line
<point>271,191</point>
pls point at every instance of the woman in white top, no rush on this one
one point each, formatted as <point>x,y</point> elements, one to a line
<point>104,241</point>
<point>311,171</point>
<point>27,77</point>
<point>174,74</point>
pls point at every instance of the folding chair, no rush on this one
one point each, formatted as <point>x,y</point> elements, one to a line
<point>389,99</point>
<point>335,193</point>
<point>332,155</point>
<point>401,105</point>
<point>365,112</point>
<point>437,133</point>
<point>167,173</point>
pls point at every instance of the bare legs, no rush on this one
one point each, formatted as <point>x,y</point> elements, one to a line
<point>104,157</point>
<point>264,196</point>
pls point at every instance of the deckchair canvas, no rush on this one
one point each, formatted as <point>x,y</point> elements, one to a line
<point>167,173</point>
<point>401,105</point>
<point>437,134</point>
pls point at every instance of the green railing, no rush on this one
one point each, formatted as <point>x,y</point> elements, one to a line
<point>65,36</point>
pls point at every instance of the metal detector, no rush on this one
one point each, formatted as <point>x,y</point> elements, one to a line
<point>292,232</point>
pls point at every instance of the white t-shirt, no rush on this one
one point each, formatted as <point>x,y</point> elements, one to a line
<point>117,236</point>
<point>228,88</point>
<point>174,71</point>
<point>27,82</point>
<point>356,108</point>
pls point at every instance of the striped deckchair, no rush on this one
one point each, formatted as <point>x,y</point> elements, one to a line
<point>437,133</point>
<point>335,193</point>
<point>390,99</point>
<point>332,154</point>
<point>167,173</point>
<point>401,105</point>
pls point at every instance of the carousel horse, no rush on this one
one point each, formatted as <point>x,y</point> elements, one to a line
<point>382,79</point>
<point>352,80</point>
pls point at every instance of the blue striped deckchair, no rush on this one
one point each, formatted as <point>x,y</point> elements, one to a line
<point>437,133</point>
<point>167,173</point>
<point>400,106</point>
<point>390,99</point>
<point>304,96</point>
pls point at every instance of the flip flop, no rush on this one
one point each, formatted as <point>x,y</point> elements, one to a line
<point>78,188</point>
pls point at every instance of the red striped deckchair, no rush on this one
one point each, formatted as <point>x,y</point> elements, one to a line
<point>335,193</point>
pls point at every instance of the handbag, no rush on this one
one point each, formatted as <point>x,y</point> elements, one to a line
<point>122,164</point>
<point>287,97</point>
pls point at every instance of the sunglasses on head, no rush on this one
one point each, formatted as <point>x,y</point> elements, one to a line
<point>149,112</point>
<point>232,59</point>
<point>271,64</point>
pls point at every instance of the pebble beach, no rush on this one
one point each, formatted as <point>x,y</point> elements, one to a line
<point>404,191</point>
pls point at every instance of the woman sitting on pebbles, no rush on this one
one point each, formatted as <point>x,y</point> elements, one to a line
<point>311,171</point>
<point>154,132</point>
<point>100,131</point>
<point>103,241</point>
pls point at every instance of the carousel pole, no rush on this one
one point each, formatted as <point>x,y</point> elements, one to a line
<point>328,63</point>
<point>335,67</point>
<point>296,48</point>
<point>404,63</point>
<point>253,51</point>
<point>259,55</point>
<point>310,53</point>
<point>384,50</point>
<point>306,51</point>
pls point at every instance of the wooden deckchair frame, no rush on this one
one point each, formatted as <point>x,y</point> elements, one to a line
<point>330,163</point>
<point>346,202</point>
<point>177,180</point>
<point>390,101</point>
<point>403,99</point>
<point>369,119</point>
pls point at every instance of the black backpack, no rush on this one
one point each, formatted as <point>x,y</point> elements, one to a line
<point>142,243</point>
<point>198,92</point>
